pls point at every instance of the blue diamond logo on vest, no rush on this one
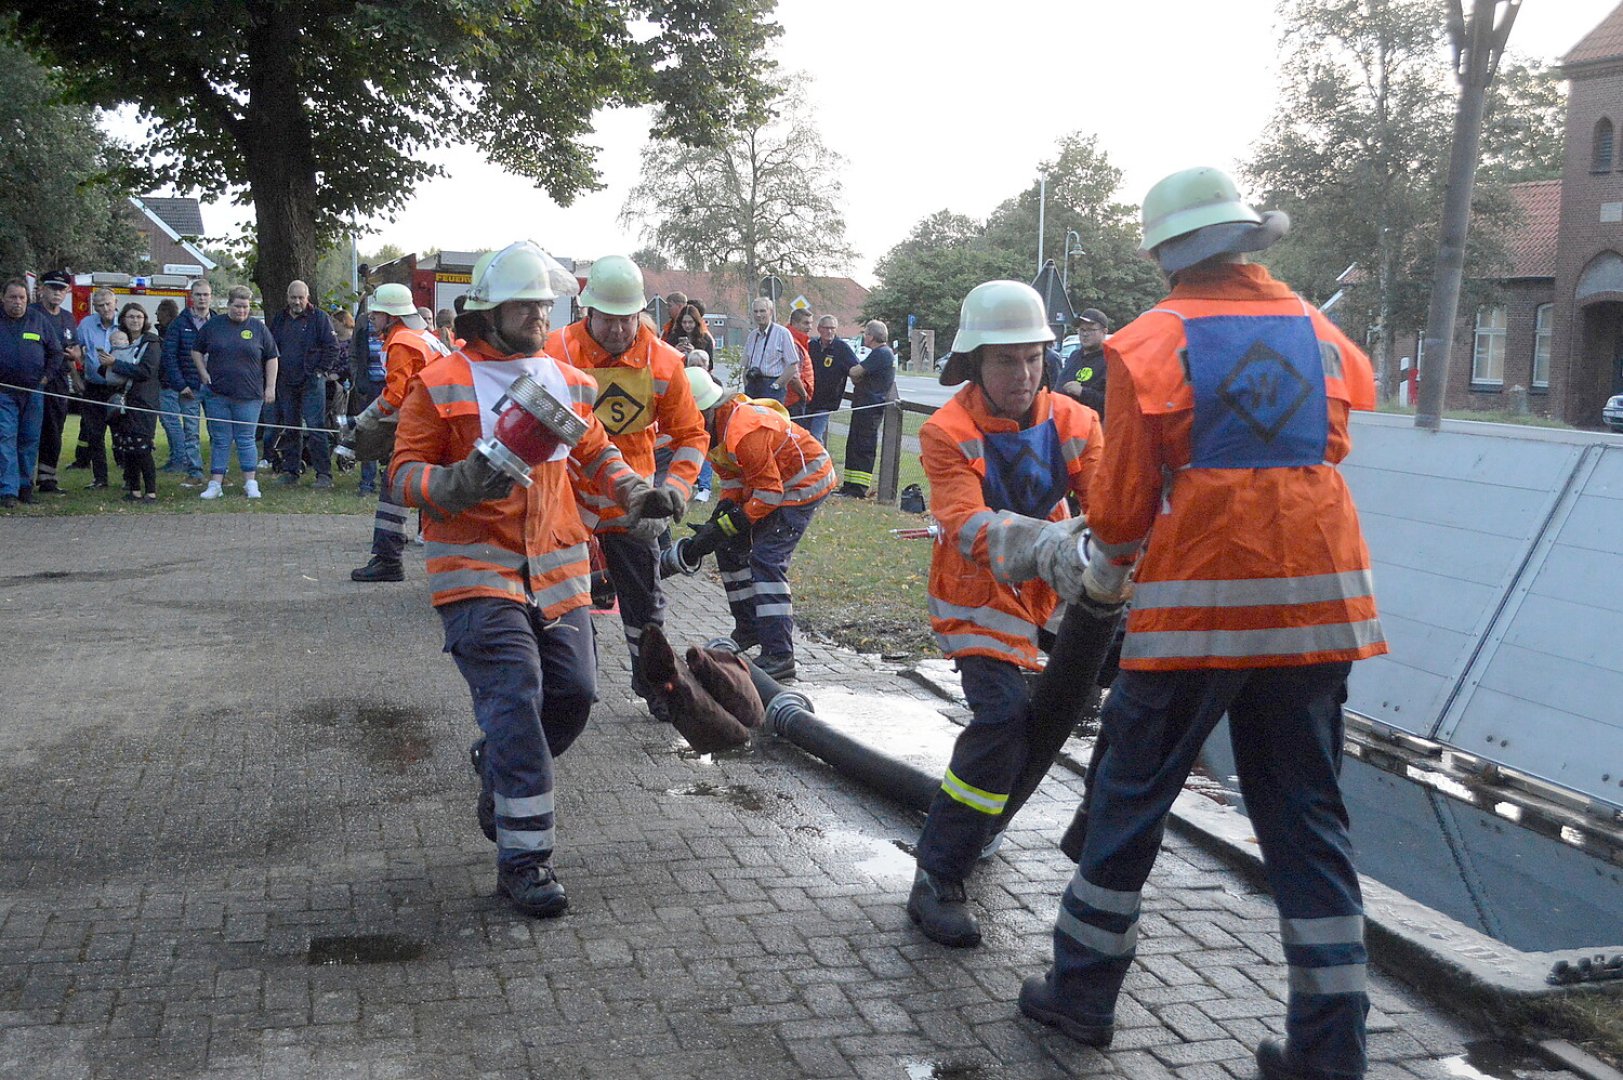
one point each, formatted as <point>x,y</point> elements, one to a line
<point>1264,390</point>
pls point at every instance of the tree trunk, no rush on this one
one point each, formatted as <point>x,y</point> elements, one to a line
<point>280,159</point>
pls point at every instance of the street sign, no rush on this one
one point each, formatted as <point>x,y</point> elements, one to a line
<point>1055,302</point>
<point>772,287</point>
<point>658,308</point>
<point>800,303</point>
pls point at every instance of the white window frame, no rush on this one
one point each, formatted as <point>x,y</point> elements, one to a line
<point>1543,342</point>
<point>1488,346</point>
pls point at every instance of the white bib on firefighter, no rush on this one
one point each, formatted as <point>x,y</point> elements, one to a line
<point>491,378</point>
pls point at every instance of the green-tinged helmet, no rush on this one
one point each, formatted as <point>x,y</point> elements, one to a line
<point>614,287</point>
<point>392,298</point>
<point>1190,200</point>
<point>707,393</point>
<point>519,271</point>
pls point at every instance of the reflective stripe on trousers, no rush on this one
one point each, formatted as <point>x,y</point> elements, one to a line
<point>389,524</point>
<point>633,565</point>
<point>532,681</point>
<point>766,606</point>
<point>1286,727</point>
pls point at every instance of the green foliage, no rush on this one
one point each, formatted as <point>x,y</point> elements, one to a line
<point>765,199</point>
<point>947,254</point>
<point>321,113</point>
<point>62,190</point>
<point>1524,128</point>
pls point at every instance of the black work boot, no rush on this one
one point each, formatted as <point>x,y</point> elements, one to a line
<point>781,666</point>
<point>1275,1063</point>
<point>745,639</point>
<point>534,890</point>
<point>379,569</point>
<point>485,811</point>
<point>941,909</point>
<point>1038,1001</point>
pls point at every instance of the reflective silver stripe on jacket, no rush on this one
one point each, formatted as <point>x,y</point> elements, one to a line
<point>440,549</point>
<point>583,395</point>
<point>972,528</point>
<point>1073,448</point>
<point>1275,641</point>
<point>953,643</point>
<point>446,580</point>
<point>407,477</point>
<point>451,393</point>
<point>688,453</point>
<point>1101,941</point>
<point>988,618</point>
<point>1253,592</point>
<point>564,590</point>
<point>820,488</point>
<point>972,449</point>
<point>549,561</point>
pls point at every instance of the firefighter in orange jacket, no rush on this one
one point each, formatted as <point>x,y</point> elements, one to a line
<point>1002,456</point>
<point>1228,409</point>
<point>408,346</point>
<point>641,392</point>
<point>507,564</point>
<point>773,476</point>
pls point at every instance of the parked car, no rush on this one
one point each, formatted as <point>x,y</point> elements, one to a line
<point>858,347</point>
<point>1613,412</point>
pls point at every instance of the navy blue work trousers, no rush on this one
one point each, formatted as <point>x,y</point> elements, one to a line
<point>633,564</point>
<point>532,681</point>
<point>757,578</point>
<point>1286,726</point>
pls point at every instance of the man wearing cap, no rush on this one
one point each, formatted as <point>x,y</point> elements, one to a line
<point>408,347</point>
<point>1002,456</point>
<point>1228,414</point>
<point>642,392</point>
<point>309,348</point>
<point>1083,376</point>
<point>59,379</point>
<point>773,477</point>
<point>507,561</point>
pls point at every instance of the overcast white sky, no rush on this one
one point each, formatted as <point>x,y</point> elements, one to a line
<point>901,90</point>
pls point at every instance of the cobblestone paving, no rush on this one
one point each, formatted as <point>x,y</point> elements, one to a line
<point>239,842</point>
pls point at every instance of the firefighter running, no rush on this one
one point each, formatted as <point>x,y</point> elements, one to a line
<point>507,564</point>
<point>641,391</point>
<point>1002,456</point>
<point>1228,410</point>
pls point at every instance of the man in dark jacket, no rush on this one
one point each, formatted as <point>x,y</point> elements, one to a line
<point>309,349</point>
<point>1083,376</point>
<point>29,352</point>
<point>53,294</point>
<point>182,384</point>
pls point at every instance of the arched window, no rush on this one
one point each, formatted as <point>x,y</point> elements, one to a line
<point>1488,358</point>
<point>1601,160</point>
<point>1543,336</point>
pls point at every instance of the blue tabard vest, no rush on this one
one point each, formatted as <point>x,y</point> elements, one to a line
<point>1025,470</point>
<point>1258,384</point>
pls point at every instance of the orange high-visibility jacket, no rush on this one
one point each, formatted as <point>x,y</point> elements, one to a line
<point>405,353</point>
<point>808,370</point>
<point>764,460</point>
<point>1246,566</point>
<point>534,535</point>
<point>631,421</point>
<point>972,612</point>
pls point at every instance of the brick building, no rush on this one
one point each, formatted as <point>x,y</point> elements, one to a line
<point>171,230</point>
<point>1557,329</point>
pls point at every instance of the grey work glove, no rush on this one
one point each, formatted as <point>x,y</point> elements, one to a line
<point>373,439</point>
<point>1105,586</point>
<point>1060,558</point>
<point>471,481</point>
<point>643,501</point>
<point>1011,541</point>
<point>675,500</point>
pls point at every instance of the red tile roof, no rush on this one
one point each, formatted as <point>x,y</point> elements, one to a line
<point>838,296</point>
<point>1532,245</point>
<point>1605,42</point>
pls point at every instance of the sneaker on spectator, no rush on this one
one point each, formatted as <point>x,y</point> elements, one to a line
<point>702,495</point>
<point>264,465</point>
<point>250,488</point>
<point>212,491</point>
<point>323,483</point>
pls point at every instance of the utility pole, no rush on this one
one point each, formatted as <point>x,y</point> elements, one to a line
<point>1477,48</point>
<point>1042,208</point>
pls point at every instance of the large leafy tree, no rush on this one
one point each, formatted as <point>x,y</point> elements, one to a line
<point>766,199</point>
<point>928,273</point>
<point>319,112</point>
<point>62,189</point>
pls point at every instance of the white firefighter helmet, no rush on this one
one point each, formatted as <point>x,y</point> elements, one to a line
<point>707,393</point>
<point>392,298</point>
<point>614,287</point>
<point>519,271</point>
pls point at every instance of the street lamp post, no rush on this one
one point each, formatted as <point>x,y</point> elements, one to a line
<point>1065,264</point>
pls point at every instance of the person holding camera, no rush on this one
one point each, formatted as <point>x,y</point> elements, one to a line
<point>770,356</point>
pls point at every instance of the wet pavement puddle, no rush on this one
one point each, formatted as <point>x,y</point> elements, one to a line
<point>745,798</point>
<point>392,737</point>
<point>363,949</point>
<point>941,1070</point>
<point>1489,1060</point>
<point>881,859</point>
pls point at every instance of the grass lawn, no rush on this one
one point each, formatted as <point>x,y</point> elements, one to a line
<point>172,498</point>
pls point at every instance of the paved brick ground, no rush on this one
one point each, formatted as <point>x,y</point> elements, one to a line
<point>221,759</point>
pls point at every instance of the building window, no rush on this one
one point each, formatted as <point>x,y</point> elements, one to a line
<point>1488,357</point>
<point>1543,336</point>
<point>1601,161</point>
